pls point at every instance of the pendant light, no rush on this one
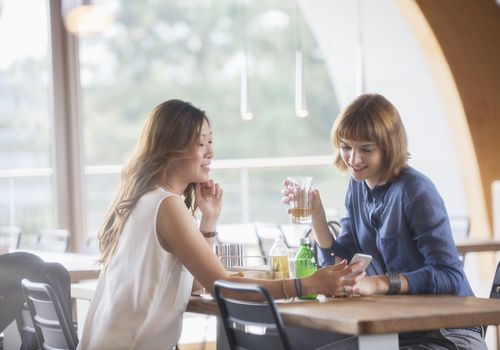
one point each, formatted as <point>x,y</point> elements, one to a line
<point>300,93</point>
<point>245,111</point>
<point>360,59</point>
<point>85,18</point>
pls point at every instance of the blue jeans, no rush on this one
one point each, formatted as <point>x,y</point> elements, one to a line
<point>443,339</point>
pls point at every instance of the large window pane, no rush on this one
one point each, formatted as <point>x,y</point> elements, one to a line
<point>157,50</point>
<point>25,117</point>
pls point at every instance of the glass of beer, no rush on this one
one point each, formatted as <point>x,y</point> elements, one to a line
<point>300,189</point>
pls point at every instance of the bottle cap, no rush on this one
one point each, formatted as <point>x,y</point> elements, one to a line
<point>305,240</point>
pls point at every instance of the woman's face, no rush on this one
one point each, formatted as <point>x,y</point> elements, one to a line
<point>363,159</point>
<point>196,168</point>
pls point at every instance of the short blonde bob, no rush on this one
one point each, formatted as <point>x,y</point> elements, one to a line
<point>371,117</point>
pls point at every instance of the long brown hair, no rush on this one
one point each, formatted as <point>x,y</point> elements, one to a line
<point>171,132</point>
<point>372,117</point>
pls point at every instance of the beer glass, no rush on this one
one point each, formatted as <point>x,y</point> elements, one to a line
<point>300,189</point>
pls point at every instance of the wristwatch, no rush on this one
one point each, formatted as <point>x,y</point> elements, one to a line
<point>394,282</point>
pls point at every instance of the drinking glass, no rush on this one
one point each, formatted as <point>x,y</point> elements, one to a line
<point>300,189</point>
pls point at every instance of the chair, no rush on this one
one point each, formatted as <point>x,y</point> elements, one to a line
<point>250,324</point>
<point>10,236</point>
<point>495,293</point>
<point>51,316</point>
<point>53,240</point>
<point>92,246</point>
<point>334,227</point>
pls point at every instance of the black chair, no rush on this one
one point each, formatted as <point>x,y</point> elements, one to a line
<point>334,227</point>
<point>250,324</point>
<point>53,240</point>
<point>495,293</point>
<point>51,316</point>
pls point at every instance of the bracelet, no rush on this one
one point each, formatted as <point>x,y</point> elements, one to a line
<point>394,283</point>
<point>209,234</point>
<point>298,287</point>
<point>284,289</point>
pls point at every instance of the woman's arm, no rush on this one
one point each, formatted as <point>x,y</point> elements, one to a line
<point>344,247</point>
<point>428,221</point>
<point>182,238</point>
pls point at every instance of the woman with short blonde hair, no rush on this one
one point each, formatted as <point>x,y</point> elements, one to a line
<point>373,117</point>
<point>396,215</point>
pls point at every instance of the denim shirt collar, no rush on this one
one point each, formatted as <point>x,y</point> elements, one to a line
<point>376,194</point>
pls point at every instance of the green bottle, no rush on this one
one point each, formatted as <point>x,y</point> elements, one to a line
<point>305,265</point>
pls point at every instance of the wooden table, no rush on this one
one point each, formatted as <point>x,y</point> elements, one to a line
<point>79,266</point>
<point>377,320</point>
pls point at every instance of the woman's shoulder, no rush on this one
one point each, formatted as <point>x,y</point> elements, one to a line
<point>155,196</point>
<point>159,192</point>
<point>413,182</point>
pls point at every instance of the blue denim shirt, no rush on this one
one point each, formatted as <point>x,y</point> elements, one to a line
<point>404,226</point>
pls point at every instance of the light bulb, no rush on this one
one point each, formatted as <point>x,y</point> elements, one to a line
<point>85,20</point>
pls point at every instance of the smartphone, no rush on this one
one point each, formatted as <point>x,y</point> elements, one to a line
<point>363,257</point>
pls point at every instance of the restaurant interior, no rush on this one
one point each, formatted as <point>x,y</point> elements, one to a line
<point>79,77</point>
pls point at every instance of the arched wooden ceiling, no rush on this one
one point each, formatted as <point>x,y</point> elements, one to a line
<point>461,40</point>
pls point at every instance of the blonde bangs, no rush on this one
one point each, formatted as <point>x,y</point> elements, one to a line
<point>371,117</point>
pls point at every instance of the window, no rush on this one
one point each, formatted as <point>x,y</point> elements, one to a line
<point>25,117</point>
<point>157,50</point>
<point>191,50</point>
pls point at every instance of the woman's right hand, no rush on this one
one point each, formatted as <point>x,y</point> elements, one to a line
<point>334,279</point>
<point>317,205</point>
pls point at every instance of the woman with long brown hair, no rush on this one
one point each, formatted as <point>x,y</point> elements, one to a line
<point>152,248</point>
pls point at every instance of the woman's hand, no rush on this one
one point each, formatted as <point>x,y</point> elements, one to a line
<point>370,285</point>
<point>209,198</point>
<point>316,204</point>
<point>338,279</point>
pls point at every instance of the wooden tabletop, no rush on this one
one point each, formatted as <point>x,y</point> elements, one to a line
<point>380,314</point>
<point>79,266</point>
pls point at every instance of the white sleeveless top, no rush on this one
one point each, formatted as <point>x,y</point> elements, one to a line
<point>141,297</point>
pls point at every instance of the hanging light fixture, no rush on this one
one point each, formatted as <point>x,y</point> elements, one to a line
<point>360,59</point>
<point>300,93</point>
<point>245,112</point>
<point>85,18</point>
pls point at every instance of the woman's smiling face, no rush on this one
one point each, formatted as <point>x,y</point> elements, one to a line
<point>363,159</point>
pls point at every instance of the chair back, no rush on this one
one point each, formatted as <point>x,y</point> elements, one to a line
<point>10,236</point>
<point>495,287</point>
<point>334,227</point>
<point>250,324</point>
<point>53,240</point>
<point>51,316</point>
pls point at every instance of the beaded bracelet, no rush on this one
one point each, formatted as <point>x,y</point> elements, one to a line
<point>284,289</point>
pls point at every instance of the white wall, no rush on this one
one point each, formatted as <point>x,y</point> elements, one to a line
<point>395,67</point>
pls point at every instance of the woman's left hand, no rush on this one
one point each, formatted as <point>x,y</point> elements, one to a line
<point>369,285</point>
<point>209,198</point>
